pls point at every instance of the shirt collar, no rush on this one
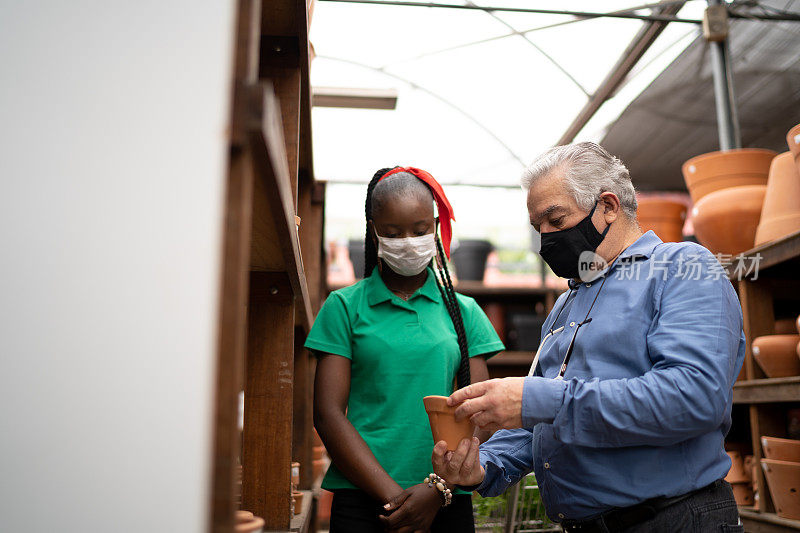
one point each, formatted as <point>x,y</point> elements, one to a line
<point>641,248</point>
<point>378,292</point>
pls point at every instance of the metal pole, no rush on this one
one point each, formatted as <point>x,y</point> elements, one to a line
<point>727,119</point>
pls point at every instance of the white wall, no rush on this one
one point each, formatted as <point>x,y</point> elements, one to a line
<point>112,158</point>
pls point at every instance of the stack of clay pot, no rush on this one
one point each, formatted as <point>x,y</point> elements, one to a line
<point>663,215</point>
<point>740,479</point>
<point>782,471</point>
<point>728,190</point>
<point>297,496</point>
<point>779,355</point>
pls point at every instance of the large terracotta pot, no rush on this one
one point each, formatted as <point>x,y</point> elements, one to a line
<point>777,355</point>
<point>665,217</point>
<point>725,221</point>
<point>443,422</point>
<point>793,140</point>
<point>714,171</point>
<point>781,449</point>
<point>737,473</point>
<point>783,479</point>
<point>780,215</point>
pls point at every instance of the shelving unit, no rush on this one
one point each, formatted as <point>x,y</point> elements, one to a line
<point>506,300</point>
<point>273,272</point>
<point>775,290</point>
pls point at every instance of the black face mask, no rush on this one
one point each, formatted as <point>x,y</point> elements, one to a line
<point>561,250</point>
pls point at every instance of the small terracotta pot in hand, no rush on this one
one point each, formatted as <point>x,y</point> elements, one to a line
<point>443,422</point>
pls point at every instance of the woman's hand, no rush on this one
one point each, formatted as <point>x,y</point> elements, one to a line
<point>413,509</point>
<point>461,467</point>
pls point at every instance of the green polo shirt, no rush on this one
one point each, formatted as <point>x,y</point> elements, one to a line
<point>400,351</point>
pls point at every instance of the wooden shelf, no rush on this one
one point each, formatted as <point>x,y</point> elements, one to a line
<point>782,255</point>
<point>767,390</point>
<point>757,522</point>
<point>512,358</point>
<point>478,289</point>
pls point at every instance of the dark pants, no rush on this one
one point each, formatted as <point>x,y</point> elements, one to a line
<point>353,511</point>
<point>712,510</point>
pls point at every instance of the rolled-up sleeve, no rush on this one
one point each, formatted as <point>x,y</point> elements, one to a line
<point>506,457</point>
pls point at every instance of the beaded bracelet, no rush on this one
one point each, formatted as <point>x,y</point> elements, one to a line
<point>439,482</point>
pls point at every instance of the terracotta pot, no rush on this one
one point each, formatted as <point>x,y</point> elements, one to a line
<point>247,523</point>
<point>793,140</point>
<point>715,171</point>
<point>297,496</point>
<point>737,473</point>
<point>781,449</point>
<point>725,221</point>
<point>496,313</point>
<point>783,479</point>
<point>749,464</point>
<point>443,422</point>
<point>318,452</point>
<point>665,217</point>
<point>743,493</point>
<point>324,508</point>
<point>780,215</point>
<point>785,326</point>
<point>777,355</point>
<point>318,467</point>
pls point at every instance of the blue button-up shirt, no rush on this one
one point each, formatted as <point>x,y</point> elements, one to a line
<point>645,403</point>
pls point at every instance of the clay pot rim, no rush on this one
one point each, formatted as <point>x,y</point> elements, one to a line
<point>779,462</point>
<point>718,153</point>
<point>437,404</point>
<point>253,525</point>
<point>779,439</point>
<point>784,336</point>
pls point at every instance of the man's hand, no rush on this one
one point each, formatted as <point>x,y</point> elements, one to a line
<point>461,467</point>
<point>491,405</point>
<point>413,509</point>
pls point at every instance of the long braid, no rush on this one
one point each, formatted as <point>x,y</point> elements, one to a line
<point>370,251</point>
<point>454,310</point>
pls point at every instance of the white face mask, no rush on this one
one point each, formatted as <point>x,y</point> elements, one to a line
<point>408,256</point>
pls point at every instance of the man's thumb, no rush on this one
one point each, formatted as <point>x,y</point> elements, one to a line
<point>396,502</point>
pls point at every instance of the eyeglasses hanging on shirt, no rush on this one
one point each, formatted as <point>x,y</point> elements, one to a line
<point>563,369</point>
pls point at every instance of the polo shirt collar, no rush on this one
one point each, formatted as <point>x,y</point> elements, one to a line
<point>378,292</point>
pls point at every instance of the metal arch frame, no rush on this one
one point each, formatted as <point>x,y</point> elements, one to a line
<point>441,99</point>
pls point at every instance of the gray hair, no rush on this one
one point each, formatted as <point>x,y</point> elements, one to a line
<point>400,185</point>
<point>589,170</point>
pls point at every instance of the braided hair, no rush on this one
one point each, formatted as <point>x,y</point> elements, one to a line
<point>441,275</point>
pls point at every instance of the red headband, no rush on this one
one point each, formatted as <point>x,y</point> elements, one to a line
<point>442,203</point>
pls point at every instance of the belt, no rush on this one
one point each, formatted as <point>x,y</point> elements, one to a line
<point>620,519</point>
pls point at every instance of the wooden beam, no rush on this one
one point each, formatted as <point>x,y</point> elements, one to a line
<point>267,450</point>
<point>303,438</point>
<point>767,390</point>
<point>273,196</point>
<point>759,319</point>
<point>231,340</point>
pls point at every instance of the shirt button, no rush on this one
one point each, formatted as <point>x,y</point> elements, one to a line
<point>572,324</point>
<point>588,284</point>
<point>561,515</point>
<point>547,465</point>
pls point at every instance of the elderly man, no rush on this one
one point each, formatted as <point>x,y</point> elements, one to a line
<point>623,415</point>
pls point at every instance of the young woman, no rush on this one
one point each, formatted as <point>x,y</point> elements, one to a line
<point>384,343</point>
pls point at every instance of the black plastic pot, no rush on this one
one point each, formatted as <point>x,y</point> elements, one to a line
<point>355,247</point>
<point>470,259</point>
<point>526,331</point>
